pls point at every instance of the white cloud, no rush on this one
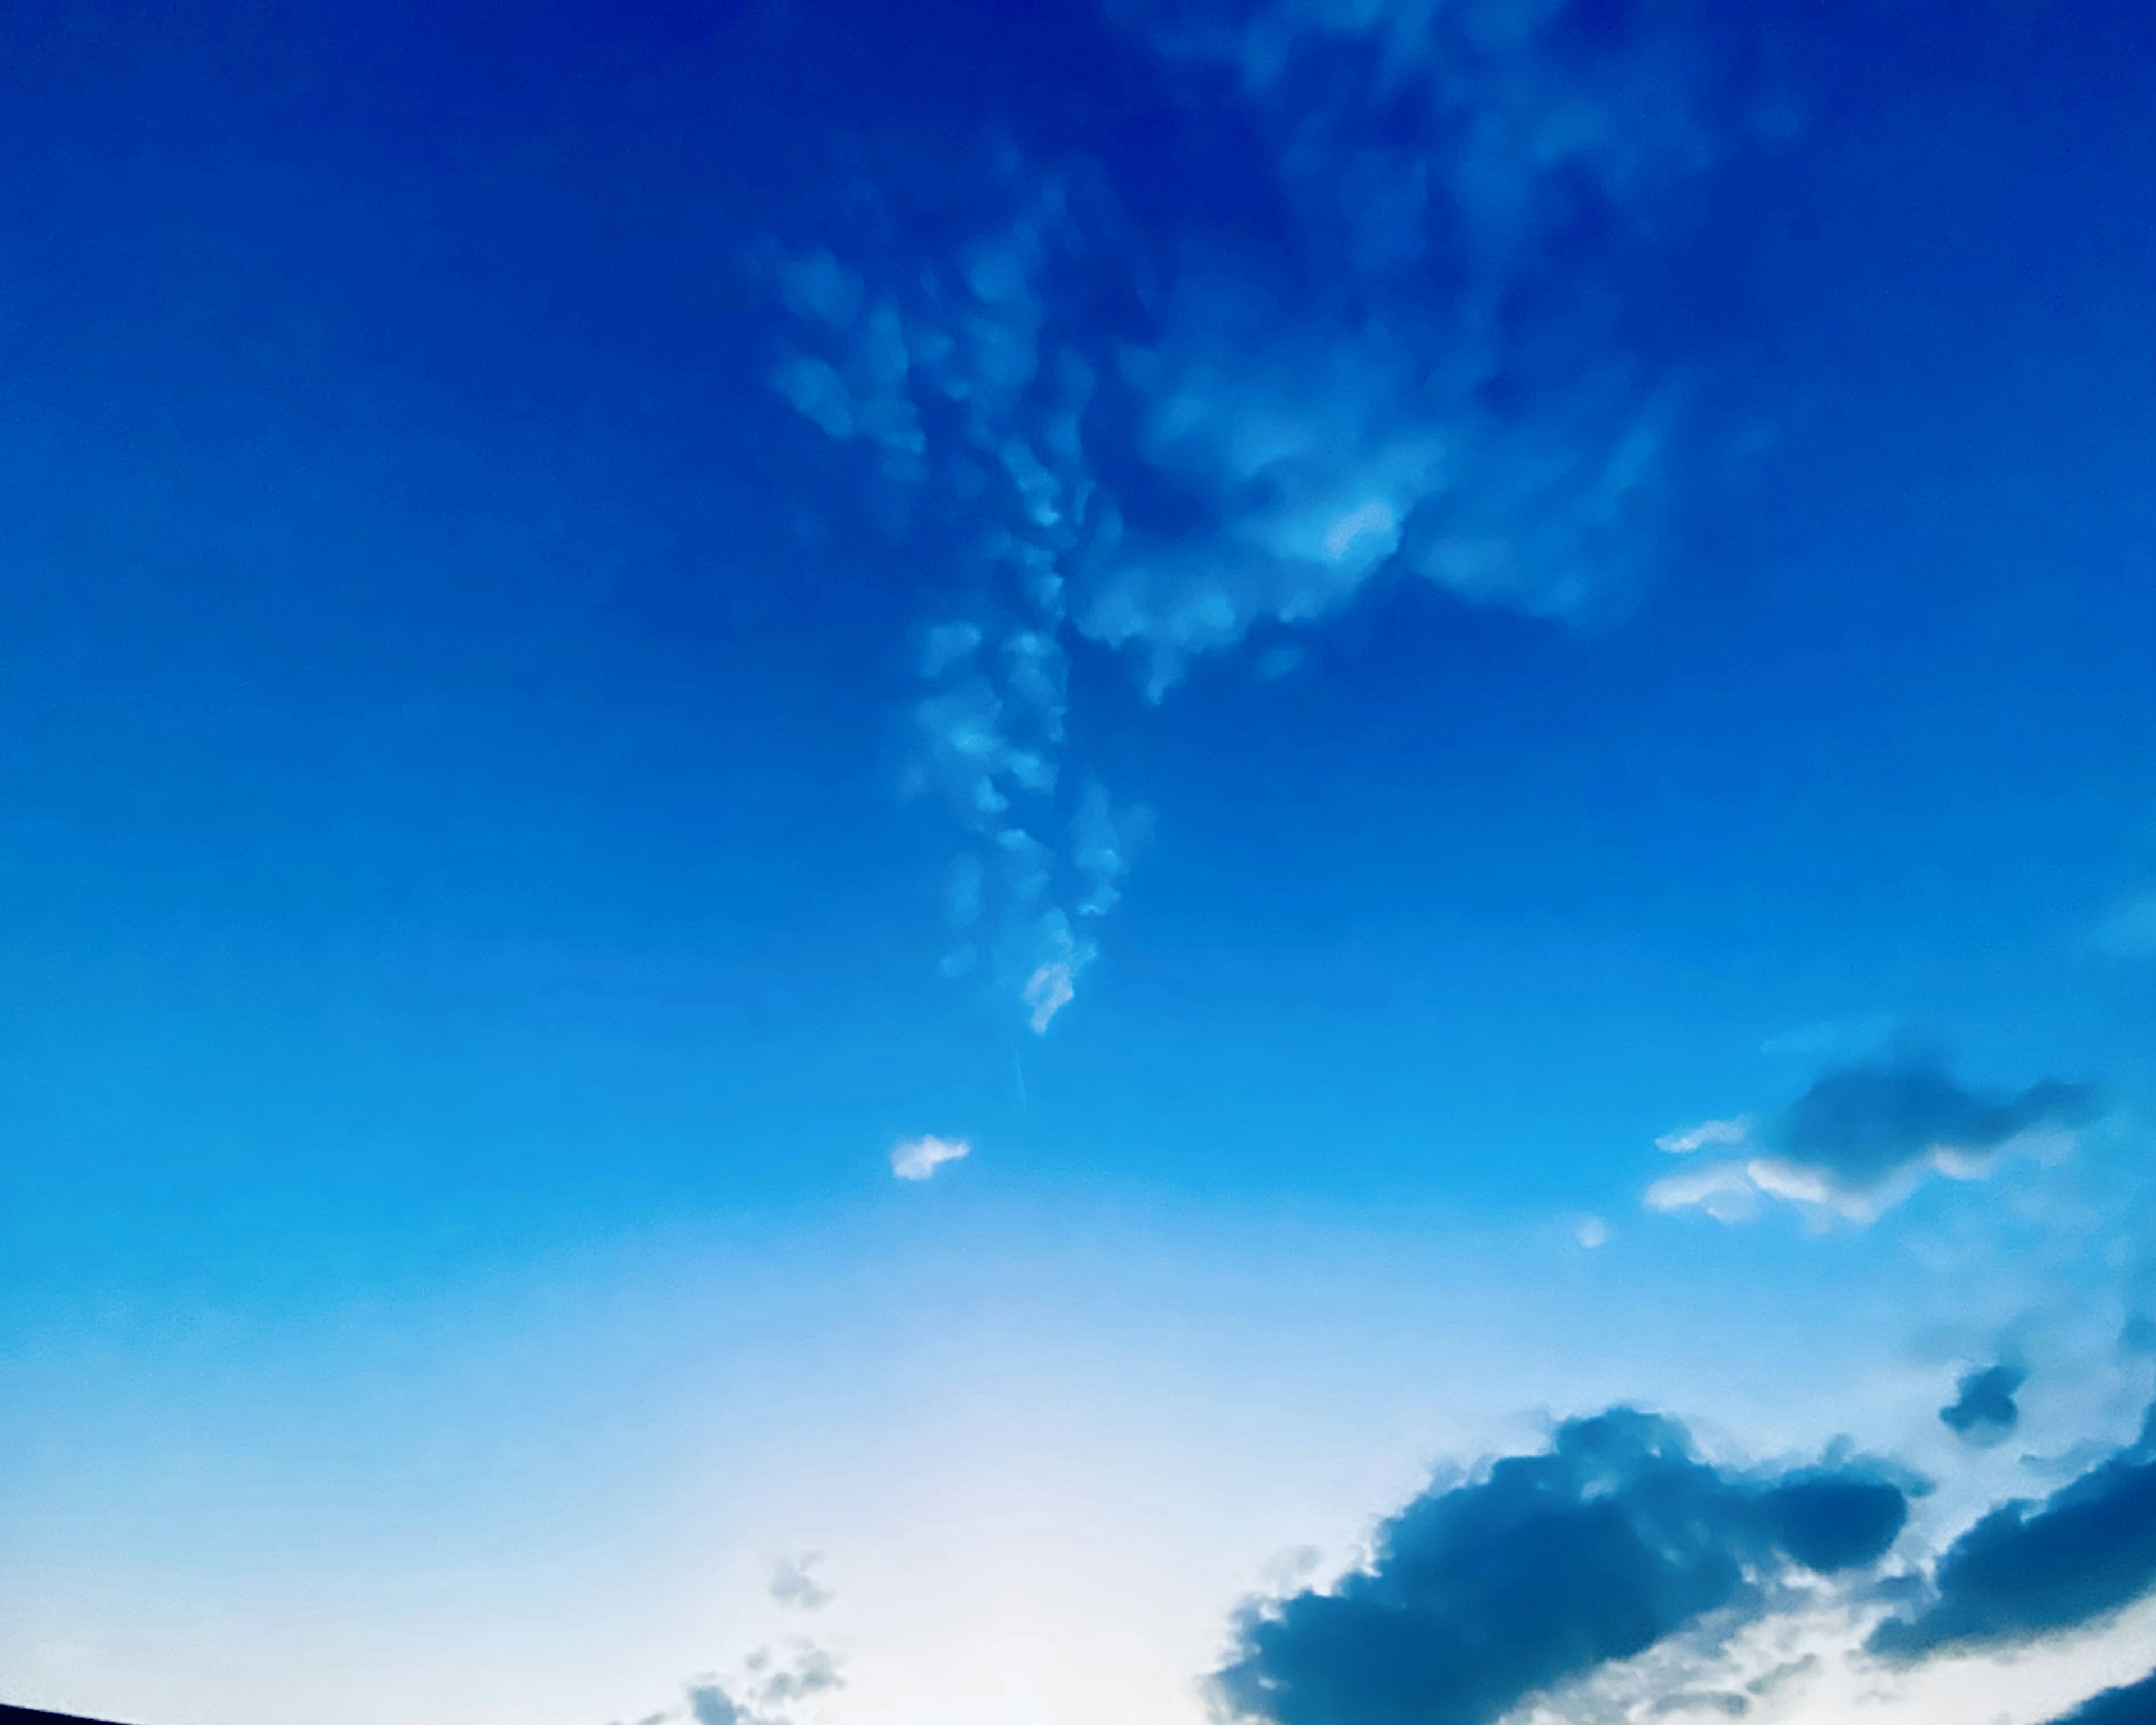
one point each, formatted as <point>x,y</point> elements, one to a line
<point>918,1158</point>
<point>1738,1190</point>
<point>1592,1233</point>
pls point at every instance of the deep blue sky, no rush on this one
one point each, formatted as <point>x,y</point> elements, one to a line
<point>455,714</point>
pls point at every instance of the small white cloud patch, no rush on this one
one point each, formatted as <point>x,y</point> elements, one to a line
<point>917,1158</point>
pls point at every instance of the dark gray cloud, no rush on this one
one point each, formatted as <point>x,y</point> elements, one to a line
<point>1860,1139</point>
<point>1548,1566</point>
<point>2129,1704</point>
<point>1864,1124</point>
<point>1983,1411</point>
<point>2027,1570</point>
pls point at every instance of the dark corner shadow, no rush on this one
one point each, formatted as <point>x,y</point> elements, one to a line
<point>34,1716</point>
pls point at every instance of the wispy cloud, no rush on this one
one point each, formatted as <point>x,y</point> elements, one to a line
<point>1158,442</point>
<point>918,1158</point>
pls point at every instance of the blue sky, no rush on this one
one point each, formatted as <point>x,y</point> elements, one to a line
<point>1307,626</point>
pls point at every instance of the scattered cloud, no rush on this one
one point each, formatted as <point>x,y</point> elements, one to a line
<point>2026,1571</point>
<point>949,378</point>
<point>774,1685</point>
<point>812,1671</point>
<point>918,1158</point>
<point>793,1584</point>
<point>1157,442</point>
<point>1451,395</point>
<point>769,1691</point>
<point>1983,1411</point>
<point>1592,1232</point>
<point>1861,1139</point>
<point>1544,1569</point>
<point>767,1696</point>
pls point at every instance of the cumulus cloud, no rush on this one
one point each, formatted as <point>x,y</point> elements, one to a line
<point>1158,441</point>
<point>2129,1704</point>
<point>1860,1139</point>
<point>1544,1569</point>
<point>918,1158</point>
<point>2026,1571</point>
<point>1983,1411</point>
